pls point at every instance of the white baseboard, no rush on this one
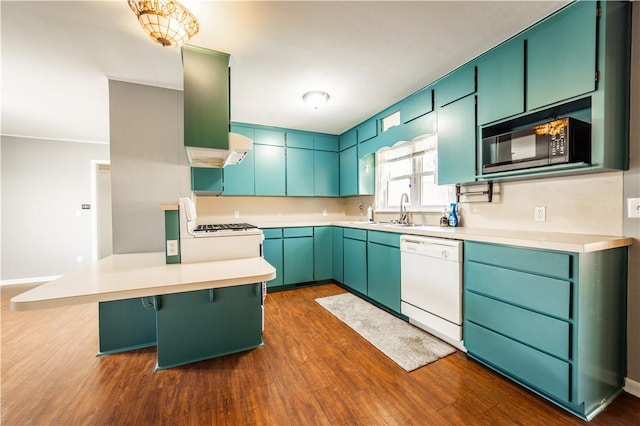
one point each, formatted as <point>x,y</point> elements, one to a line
<point>33,280</point>
<point>632,387</point>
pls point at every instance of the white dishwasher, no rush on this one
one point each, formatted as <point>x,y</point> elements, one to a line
<point>431,286</point>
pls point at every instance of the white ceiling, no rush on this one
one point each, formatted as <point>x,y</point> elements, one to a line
<point>57,57</point>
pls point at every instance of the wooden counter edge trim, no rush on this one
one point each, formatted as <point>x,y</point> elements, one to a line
<point>20,306</point>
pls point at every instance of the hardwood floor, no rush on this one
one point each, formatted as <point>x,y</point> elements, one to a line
<point>312,370</point>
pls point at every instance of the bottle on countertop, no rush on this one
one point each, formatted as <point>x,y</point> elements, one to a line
<point>453,216</point>
<point>370,214</point>
<point>444,220</point>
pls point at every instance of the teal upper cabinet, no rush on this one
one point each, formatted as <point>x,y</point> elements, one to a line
<point>300,172</point>
<point>501,82</point>
<point>206,98</point>
<point>457,142</point>
<point>561,56</point>
<point>416,105</point>
<point>239,179</point>
<point>269,137</point>
<point>326,143</point>
<point>456,85</point>
<point>206,180</point>
<point>349,171</point>
<point>300,140</point>
<point>367,130</point>
<point>326,174</point>
<point>348,139</point>
<point>269,169</point>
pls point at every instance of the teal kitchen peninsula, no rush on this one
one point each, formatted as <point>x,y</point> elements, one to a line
<point>191,312</point>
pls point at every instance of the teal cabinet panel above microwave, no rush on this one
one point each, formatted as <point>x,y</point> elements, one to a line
<point>456,85</point>
<point>457,142</point>
<point>561,55</point>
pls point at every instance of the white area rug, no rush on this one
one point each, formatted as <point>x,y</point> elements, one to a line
<point>406,345</point>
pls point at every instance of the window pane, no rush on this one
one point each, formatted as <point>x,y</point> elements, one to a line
<point>395,189</point>
<point>399,168</point>
<point>432,194</point>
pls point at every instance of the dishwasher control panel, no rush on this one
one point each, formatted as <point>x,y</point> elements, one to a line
<point>432,247</point>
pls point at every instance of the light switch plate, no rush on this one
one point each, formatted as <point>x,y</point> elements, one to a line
<point>633,208</point>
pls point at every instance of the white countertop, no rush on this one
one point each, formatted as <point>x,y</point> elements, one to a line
<point>125,276</point>
<point>576,243</point>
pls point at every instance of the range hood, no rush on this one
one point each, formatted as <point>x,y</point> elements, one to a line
<point>239,147</point>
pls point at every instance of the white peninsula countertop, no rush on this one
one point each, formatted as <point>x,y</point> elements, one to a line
<point>125,276</point>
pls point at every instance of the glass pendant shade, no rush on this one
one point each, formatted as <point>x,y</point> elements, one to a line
<point>166,21</point>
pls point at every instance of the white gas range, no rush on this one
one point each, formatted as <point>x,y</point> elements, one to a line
<point>205,242</point>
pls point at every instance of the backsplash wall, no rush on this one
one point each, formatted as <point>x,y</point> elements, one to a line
<point>588,204</point>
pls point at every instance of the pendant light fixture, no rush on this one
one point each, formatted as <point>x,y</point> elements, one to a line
<point>166,21</point>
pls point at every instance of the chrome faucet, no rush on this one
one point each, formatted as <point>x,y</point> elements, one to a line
<point>404,198</point>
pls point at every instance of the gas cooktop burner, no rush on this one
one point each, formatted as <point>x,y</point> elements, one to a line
<point>224,227</point>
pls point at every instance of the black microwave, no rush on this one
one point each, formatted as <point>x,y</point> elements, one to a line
<point>562,141</point>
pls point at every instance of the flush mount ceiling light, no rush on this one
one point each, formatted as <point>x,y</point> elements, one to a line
<point>316,98</point>
<point>166,21</point>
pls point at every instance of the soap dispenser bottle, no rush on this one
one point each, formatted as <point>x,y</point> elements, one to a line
<point>453,215</point>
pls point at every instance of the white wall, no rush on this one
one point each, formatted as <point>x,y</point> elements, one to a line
<point>43,185</point>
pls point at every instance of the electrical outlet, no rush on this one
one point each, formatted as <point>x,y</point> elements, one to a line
<point>172,247</point>
<point>633,208</point>
<point>236,214</point>
<point>540,214</point>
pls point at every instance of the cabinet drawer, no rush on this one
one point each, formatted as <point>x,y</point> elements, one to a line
<point>386,238</point>
<point>536,261</point>
<point>355,234</point>
<point>547,295</point>
<point>540,370</point>
<point>542,332</point>
<point>298,232</point>
<point>270,233</point>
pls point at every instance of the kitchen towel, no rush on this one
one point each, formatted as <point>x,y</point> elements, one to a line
<point>405,344</point>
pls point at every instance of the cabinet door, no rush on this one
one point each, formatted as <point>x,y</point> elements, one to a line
<point>326,174</point>
<point>383,266</point>
<point>206,97</point>
<point>272,251</point>
<point>300,140</point>
<point>416,105</point>
<point>368,130</point>
<point>501,82</point>
<point>561,56</point>
<point>239,179</point>
<point>298,260</point>
<point>300,172</point>
<point>355,265</point>
<point>458,84</point>
<point>269,137</point>
<point>349,171</point>
<point>326,143</point>
<point>457,142</point>
<point>269,170</point>
<point>206,179</point>
<point>322,252</point>
<point>338,253</point>
<point>348,139</point>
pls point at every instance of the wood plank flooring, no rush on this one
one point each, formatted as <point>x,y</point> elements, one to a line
<point>312,370</point>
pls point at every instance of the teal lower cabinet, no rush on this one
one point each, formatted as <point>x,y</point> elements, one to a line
<point>198,325</point>
<point>553,321</point>
<point>355,259</point>
<point>322,253</point>
<point>337,251</point>
<point>383,268</point>
<point>298,255</point>
<point>272,252</point>
<point>186,327</point>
